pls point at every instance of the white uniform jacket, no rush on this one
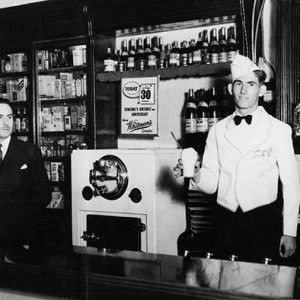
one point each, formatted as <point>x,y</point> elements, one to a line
<point>248,176</point>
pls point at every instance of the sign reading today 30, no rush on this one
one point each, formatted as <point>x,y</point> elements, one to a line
<point>139,106</point>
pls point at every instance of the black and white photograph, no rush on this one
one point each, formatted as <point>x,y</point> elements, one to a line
<point>149,150</point>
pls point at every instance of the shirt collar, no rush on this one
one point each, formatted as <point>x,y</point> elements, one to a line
<point>5,145</point>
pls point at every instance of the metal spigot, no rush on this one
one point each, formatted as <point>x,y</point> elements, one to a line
<point>267,260</point>
<point>233,257</point>
<point>209,255</point>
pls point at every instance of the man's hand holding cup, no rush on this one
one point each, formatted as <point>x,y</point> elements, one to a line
<point>188,165</point>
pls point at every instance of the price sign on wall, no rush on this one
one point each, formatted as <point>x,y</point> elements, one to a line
<point>139,106</point>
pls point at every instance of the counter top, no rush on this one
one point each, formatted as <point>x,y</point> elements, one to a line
<point>87,273</point>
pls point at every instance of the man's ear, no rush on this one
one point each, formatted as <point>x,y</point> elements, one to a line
<point>262,90</point>
<point>229,87</point>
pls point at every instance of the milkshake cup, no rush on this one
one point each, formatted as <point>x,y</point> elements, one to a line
<point>189,157</point>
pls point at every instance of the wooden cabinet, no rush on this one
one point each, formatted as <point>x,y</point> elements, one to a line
<point>16,86</point>
<point>61,97</point>
<point>288,62</point>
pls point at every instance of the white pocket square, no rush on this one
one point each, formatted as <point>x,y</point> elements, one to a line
<point>24,167</point>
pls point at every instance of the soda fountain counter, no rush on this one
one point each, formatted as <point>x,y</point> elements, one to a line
<point>89,273</point>
<point>127,200</point>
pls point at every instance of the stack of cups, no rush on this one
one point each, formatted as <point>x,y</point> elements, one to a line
<point>189,157</point>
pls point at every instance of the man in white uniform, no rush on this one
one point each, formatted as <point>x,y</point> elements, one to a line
<point>245,156</point>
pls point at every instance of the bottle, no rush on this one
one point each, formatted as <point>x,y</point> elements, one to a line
<point>24,121</point>
<point>183,54</point>
<point>190,51</point>
<point>204,48</point>
<point>202,113</point>
<point>231,44</point>
<point>213,109</point>
<point>54,58</point>
<point>213,47</point>
<point>162,54</point>
<point>168,52</point>
<point>123,56</point>
<point>197,51</point>
<point>63,60</point>
<point>190,114</point>
<point>225,106</point>
<point>174,55</point>
<point>222,51</point>
<point>131,55</point>
<point>47,60</point>
<point>148,52</point>
<point>155,51</point>
<point>116,59</point>
<point>268,99</point>
<point>296,120</point>
<point>109,64</point>
<point>140,61</point>
<point>18,120</point>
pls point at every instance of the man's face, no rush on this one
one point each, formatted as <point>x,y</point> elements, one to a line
<point>6,121</point>
<point>246,91</point>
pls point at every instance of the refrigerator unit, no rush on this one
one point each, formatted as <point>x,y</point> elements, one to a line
<point>127,200</point>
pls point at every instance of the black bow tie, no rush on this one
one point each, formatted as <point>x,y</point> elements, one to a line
<point>238,119</point>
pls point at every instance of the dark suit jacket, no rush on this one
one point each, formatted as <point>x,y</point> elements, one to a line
<point>24,191</point>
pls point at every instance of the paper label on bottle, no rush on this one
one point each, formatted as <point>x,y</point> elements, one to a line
<point>173,60</point>
<point>223,57</point>
<point>231,55</point>
<point>202,124</point>
<point>130,62</point>
<point>214,58</point>
<point>197,56</point>
<point>151,60</point>
<point>190,126</point>
<point>109,65</point>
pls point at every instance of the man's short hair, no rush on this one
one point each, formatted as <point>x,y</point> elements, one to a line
<point>261,75</point>
<point>4,101</point>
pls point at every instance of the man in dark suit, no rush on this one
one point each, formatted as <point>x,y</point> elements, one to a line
<point>24,188</point>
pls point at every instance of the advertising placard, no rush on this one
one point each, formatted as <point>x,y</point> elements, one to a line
<point>139,103</point>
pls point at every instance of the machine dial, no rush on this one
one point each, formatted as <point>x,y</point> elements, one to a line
<point>135,195</point>
<point>109,177</point>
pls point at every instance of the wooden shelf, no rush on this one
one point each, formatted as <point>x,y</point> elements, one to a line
<point>56,158</point>
<point>19,103</point>
<point>59,70</point>
<point>13,74</point>
<point>25,133</point>
<point>169,73</point>
<point>67,132</point>
<point>64,101</point>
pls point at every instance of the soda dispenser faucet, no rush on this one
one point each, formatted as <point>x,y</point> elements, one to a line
<point>108,177</point>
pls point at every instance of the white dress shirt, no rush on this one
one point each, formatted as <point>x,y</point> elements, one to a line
<point>5,145</point>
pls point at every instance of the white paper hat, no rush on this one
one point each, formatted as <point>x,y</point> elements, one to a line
<point>242,65</point>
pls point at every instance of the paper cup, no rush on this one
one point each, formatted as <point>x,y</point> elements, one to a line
<point>189,157</point>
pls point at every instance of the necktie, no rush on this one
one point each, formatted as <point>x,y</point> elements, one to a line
<point>1,154</point>
<point>238,119</point>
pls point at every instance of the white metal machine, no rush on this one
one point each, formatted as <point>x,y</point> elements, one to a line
<point>127,199</point>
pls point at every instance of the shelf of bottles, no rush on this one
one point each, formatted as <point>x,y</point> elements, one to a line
<point>203,109</point>
<point>14,87</point>
<point>62,95</point>
<point>210,55</point>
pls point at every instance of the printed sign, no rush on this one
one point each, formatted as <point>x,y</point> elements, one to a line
<point>139,106</point>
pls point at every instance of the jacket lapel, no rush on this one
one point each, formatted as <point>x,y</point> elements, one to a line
<point>259,134</point>
<point>231,134</point>
<point>261,131</point>
<point>11,156</point>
